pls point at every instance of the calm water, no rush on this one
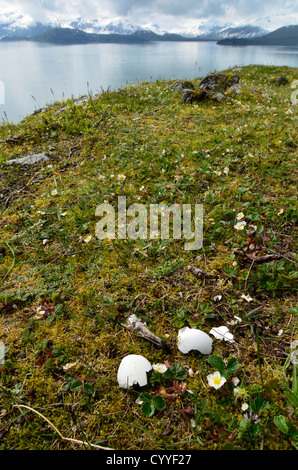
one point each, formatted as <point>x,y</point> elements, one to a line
<point>32,75</point>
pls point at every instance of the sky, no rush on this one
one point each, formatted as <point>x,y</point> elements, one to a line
<point>168,14</point>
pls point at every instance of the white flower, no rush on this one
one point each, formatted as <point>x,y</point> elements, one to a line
<point>88,239</point>
<point>39,313</point>
<point>244,407</point>
<point>161,368</point>
<point>240,225</point>
<point>141,188</point>
<point>101,178</point>
<point>280,212</point>
<point>240,216</point>
<point>216,380</point>
<point>54,192</point>
<point>222,332</point>
<point>226,170</point>
<point>121,178</point>
<point>45,241</point>
<point>217,172</point>
<point>217,298</point>
<point>248,298</point>
<point>69,365</point>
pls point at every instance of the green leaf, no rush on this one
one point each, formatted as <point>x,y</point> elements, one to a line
<point>148,408</point>
<point>232,366</point>
<point>88,389</point>
<point>76,385</point>
<point>159,403</point>
<point>145,397</point>
<point>282,424</point>
<point>217,363</point>
<point>291,397</point>
<point>178,372</point>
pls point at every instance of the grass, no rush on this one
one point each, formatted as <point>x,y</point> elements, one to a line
<point>51,261</point>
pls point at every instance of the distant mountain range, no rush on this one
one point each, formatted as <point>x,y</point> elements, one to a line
<point>285,36</point>
<point>18,26</point>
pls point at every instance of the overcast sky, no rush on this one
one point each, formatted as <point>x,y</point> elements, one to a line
<point>170,14</point>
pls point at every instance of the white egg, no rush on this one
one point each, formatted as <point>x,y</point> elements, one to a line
<point>133,370</point>
<point>192,339</point>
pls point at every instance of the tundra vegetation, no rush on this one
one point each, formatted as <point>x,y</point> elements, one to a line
<point>66,295</point>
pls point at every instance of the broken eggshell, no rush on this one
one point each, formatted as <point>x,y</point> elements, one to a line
<point>133,370</point>
<point>192,339</point>
<point>223,333</point>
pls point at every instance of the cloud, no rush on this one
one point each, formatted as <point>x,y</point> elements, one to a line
<point>198,8</point>
<point>173,12</point>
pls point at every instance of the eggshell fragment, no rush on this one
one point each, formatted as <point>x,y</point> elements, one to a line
<point>192,339</point>
<point>133,370</point>
<point>222,332</point>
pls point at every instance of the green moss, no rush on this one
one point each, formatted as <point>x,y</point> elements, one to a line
<point>169,152</point>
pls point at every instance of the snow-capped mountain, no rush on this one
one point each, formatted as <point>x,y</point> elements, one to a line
<point>18,24</point>
<point>21,25</point>
<point>104,26</point>
<point>273,22</point>
<point>212,30</point>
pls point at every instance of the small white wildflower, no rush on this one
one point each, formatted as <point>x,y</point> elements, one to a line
<point>240,225</point>
<point>39,313</point>
<point>218,172</point>
<point>217,298</point>
<point>54,192</point>
<point>226,170</point>
<point>161,368</point>
<point>216,380</point>
<point>244,407</point>
<point>280,212</point>
<point>88,239</point>
<point>101,178</point>
<point>69,365</point>
<point>240,216</point>
<point>121,178</point>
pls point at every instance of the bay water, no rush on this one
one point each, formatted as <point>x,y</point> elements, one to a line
<point>33,75</point>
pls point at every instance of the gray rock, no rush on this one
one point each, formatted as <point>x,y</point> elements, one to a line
<point>238,89</point>
<point>218,96</point>
<point>29,159</point>
<point>182,85</point>
<point>218,82</point>
<point>193,96</point>
<point>281,80</point>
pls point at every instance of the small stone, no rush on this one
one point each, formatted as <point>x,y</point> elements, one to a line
<point>29,159</point>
